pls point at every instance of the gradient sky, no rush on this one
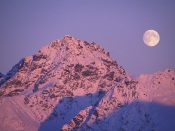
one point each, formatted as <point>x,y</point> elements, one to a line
<point>116,25</point>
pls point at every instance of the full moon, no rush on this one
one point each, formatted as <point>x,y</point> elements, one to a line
<point>151,38</point>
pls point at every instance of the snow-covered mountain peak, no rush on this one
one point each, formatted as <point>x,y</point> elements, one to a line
<point>165,75</point>
<point>72,46</point>
<point>158,87</point>
<point>71,84</point>
<point>78,58</point>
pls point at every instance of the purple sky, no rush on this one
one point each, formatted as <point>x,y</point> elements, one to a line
<point>27,25</point>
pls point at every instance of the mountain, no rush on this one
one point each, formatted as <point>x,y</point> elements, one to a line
<point>1,76</point>
<point>71,84</point>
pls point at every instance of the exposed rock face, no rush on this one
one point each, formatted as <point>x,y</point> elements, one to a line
<point>74,85</point>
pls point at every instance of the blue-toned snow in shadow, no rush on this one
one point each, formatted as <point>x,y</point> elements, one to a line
<point>134,116</point>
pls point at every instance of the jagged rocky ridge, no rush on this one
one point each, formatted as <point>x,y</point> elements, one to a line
<point>74,85</point>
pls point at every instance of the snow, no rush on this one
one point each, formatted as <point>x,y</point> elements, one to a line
<point>18,118</point>
<point>159,90</point>
<point>73,84</point>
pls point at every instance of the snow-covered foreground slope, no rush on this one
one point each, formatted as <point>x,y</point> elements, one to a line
<point>74,85</point>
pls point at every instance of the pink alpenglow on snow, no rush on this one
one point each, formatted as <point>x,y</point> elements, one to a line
<point>71,84</point>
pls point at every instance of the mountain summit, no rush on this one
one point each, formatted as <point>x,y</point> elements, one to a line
<point>71,84</point>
